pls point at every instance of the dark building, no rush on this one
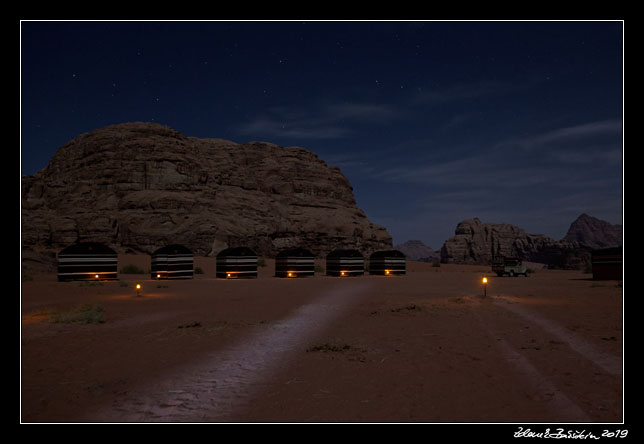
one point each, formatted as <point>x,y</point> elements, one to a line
<point>172,262</point>
<point>236,263</point>
<point>607,264</point>
<point>387,263</point>
<point>87,261</point>
<point>345,263</point>
<point>295,262</point>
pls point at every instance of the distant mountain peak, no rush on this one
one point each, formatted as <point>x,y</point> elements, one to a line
<point>594,233</point>
<point>416,250</point>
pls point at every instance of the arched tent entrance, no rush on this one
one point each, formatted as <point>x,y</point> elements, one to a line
<point>87,261</point>
<point>172,262</point>
<point>387,263</point>
<point>295,262</point>
<point>607,264</point>
<point>236,263</point>
<point>345,263</point>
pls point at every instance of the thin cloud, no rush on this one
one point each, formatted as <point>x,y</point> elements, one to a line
<point>557,136</point>
<point>330,121</point>
<point>267,126</point>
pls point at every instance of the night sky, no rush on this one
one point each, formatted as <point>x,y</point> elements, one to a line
<point>431,122</point>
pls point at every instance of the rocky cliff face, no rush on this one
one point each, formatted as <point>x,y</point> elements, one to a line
<point>476,243</point>
<point>594,233</point>
<point>139,186</point>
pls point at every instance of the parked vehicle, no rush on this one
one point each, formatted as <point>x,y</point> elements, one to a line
<point>511,266</point>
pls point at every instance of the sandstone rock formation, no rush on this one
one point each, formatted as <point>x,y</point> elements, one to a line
<point>594,233</point>
<point>476,243</point>
<point>416,250</point>
<point>139,186</point>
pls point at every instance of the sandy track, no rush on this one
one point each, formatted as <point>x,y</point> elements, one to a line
<point>222,383</point>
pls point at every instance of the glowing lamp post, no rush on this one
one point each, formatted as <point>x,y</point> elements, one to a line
<point>138,288</point>
<point>484,287</point>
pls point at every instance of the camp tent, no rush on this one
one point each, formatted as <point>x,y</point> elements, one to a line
<point>236,263</point>
<point>172,262</point>
<point>345,263</point>
<point>607,264</point>
<point>295,262</point>
<point>87,261</point>
<point>387,263</point>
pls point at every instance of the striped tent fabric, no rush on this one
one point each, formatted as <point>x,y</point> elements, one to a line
<point>607,264</point>
<point>87,261</point>
<point>236,263</point>
<point>387,263</point>
<point>345,263</point>
<point>172,262</point>
<point>296,262</point>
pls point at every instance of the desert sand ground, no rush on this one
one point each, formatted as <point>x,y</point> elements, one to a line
<point>425,347</point>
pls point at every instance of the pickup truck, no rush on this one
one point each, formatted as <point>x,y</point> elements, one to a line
<point>510,266</point>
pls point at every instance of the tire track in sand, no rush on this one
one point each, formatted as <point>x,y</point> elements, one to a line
<point>217,387</point>
<point>566,409</point>
<point>609,363</point>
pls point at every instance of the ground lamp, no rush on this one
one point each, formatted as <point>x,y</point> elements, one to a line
<point>484,286</point>
<point>138,288</point>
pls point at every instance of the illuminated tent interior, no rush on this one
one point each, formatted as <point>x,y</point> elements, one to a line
<point>87,261</point>
<point>295,262</point>
<point>172,262</point>
<point>236,263</point>
<point>345,263</point>
<point>387,263</point>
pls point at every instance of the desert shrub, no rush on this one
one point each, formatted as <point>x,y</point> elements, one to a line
<point>132,269</point>
<point>90,284</point>
<point>84,314</point>
<point>326,347</point>
<point>198,270</point>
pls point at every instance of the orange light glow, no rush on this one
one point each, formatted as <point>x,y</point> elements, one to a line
<point>290,274</point>
<point>158,276</point>
<point>96,276</point>
<point>343,273</point>
<point>387,272</point>
<point>138,286</point>
<point>485,280</point>
<point>228,274</point>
